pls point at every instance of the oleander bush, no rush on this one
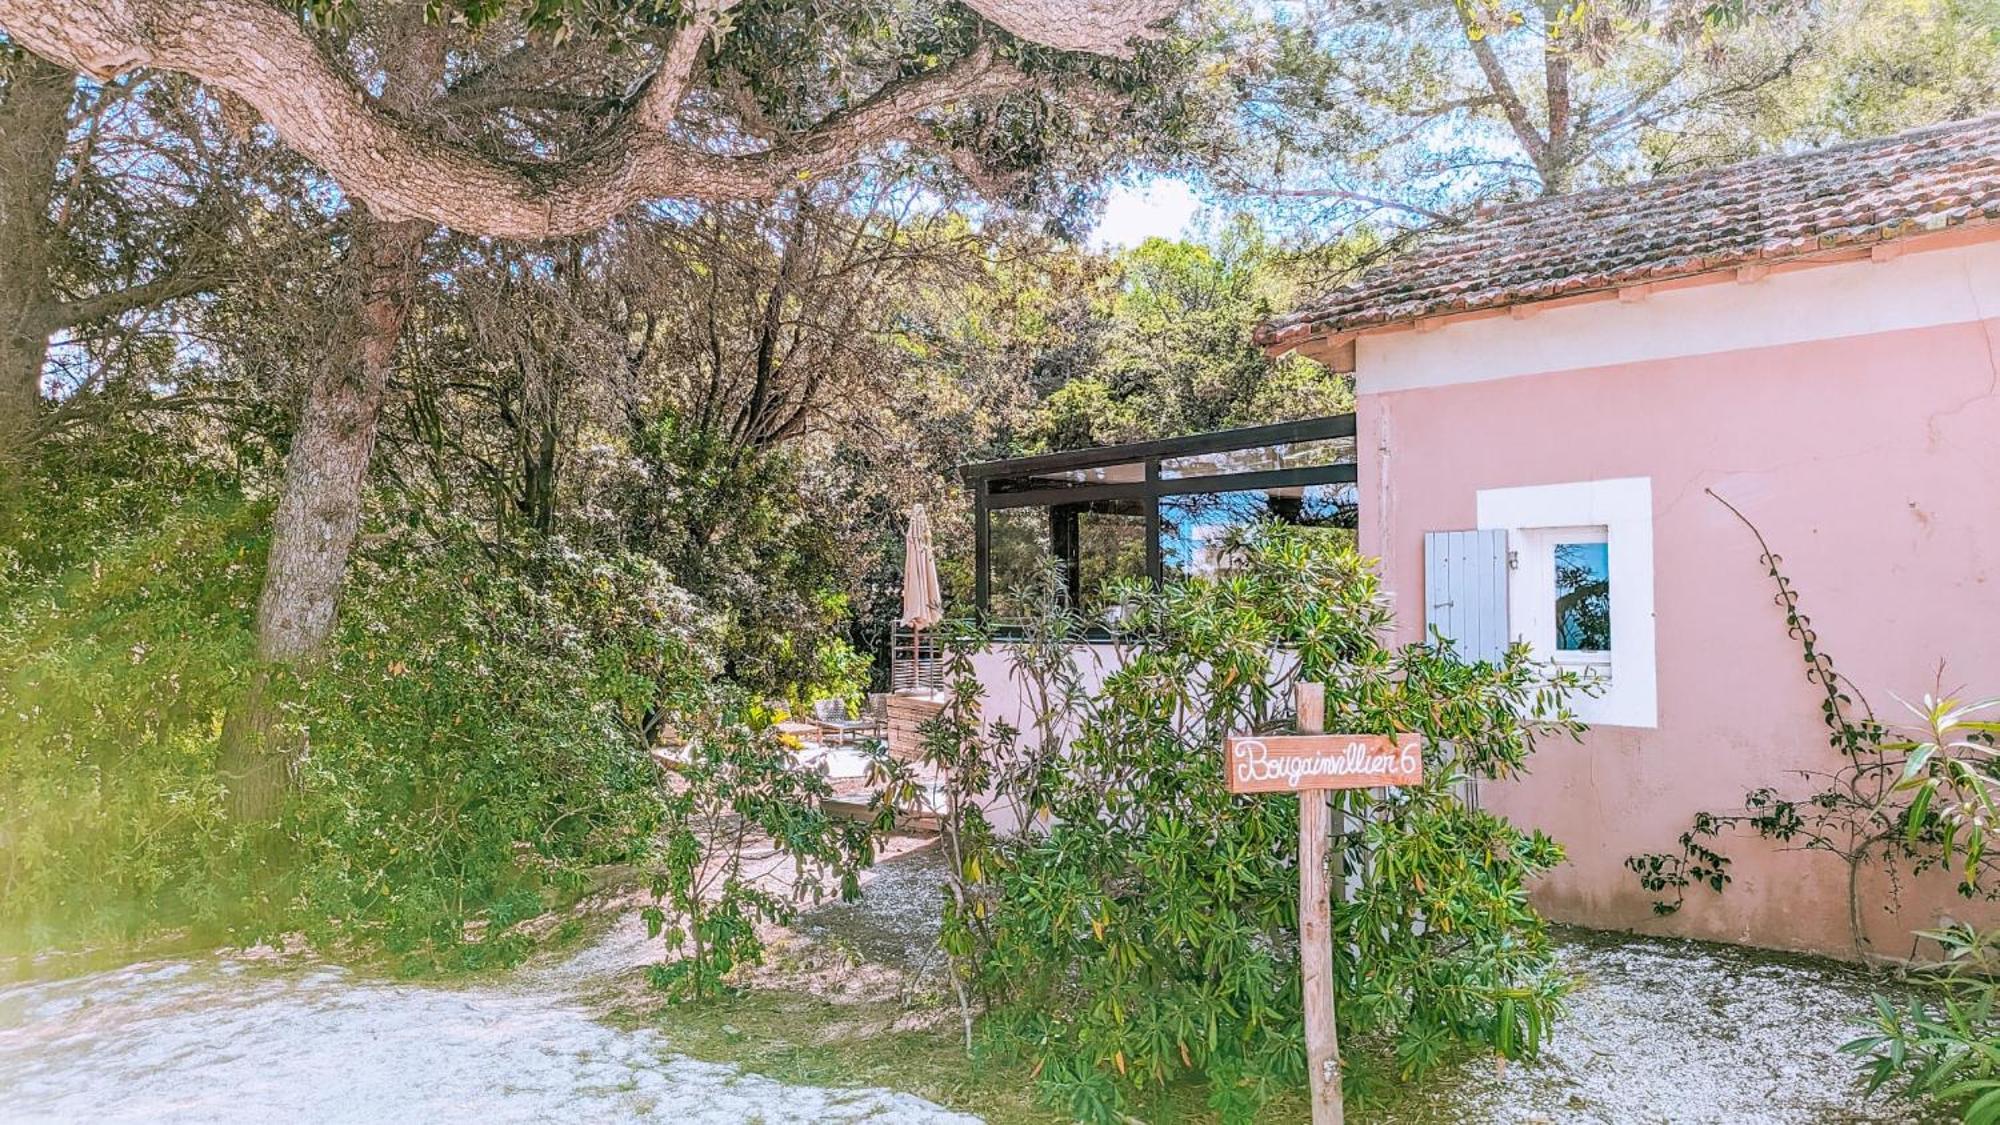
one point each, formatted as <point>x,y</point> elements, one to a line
<point>747,840</point>
<point>1143,931</point>
<point>1941,1047</point>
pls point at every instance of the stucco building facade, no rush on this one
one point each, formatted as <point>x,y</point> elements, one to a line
<point>1811,340</point>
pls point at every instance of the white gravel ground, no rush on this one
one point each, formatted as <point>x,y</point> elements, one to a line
<point>242,1039</point>
<point>224,1040</point>
<point>1662,1031</point>
<point>1656,1032</point>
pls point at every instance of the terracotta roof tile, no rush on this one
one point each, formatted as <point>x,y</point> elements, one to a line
<point>1771,208</point>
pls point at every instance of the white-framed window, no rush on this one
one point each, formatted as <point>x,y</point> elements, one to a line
<point>1580,586</point>
<point>1563,575</point>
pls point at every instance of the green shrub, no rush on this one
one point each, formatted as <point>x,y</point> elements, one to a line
<point>750,532</point>
<point>1146,934</point>
<point>1944,1047</point>
<point>472,743</point>
<point>125,608</point>
<point>746,841</point>
<point>838,672</point>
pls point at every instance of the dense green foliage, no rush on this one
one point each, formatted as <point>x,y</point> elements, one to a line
<point>124,632</point>
<point>744,532</point>
<point>1145,932</point>
<point>473,744</point>
<point>1943,1048</point>
<point>737,792</point>
<point>1163,346</point>
<point>472,740</point>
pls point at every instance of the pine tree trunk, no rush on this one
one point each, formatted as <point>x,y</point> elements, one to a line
<point>34,123</point>
<point>21,358</point>
<point>319,508</point>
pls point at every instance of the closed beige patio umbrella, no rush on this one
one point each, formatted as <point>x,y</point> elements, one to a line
<point>923,605</point>
<point>914,668</point>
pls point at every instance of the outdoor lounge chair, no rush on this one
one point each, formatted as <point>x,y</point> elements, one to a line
<point>831,717</point>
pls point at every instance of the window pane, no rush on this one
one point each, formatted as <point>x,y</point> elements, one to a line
<point>1095,544</point>
<point>1133,472</point>
<point>1197,532</point>
<point>1257,459</point>
<point>1018,548</point>
<point>1110,545</point>
<point>1583,597</point>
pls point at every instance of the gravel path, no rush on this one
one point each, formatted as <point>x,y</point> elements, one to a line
<point>236,1039</point>
<point>1657,1031</point>
<point>1661,1031</point>
<point>223,1041</point>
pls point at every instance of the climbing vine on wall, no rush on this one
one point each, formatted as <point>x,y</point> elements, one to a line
<point>1914,801</point>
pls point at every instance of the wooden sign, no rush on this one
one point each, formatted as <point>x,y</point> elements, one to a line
<point>1308,764</point>
<point>1289,763</point>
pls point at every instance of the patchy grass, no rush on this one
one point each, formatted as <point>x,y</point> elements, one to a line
<point>856,995</point>
<point>797,1037</point>
<point>823,1012</point>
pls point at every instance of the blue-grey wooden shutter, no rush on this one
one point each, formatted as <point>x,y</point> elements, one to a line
<point>1465,590</point>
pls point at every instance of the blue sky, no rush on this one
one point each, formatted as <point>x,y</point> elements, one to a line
<point>1145,208</point>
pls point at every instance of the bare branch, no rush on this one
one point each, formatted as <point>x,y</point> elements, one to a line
<point>1356,197</point>
<point>101,306</point>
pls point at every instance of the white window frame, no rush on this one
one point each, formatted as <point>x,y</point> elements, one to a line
<point>1620,513</point>
<point>1532,593</point>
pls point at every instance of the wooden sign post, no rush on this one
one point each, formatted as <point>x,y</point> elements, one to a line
<point>1310,764</point>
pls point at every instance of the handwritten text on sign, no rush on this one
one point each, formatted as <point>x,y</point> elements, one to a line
<point>1287,763</point>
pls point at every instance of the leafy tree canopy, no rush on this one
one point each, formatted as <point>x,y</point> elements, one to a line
<point>1410,111</point>
<point>541,119</point>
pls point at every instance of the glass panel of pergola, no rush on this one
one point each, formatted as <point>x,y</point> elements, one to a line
<point>1154,510</point>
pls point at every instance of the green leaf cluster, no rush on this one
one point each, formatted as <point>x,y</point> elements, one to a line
<point>1166,346</point>
<point>472,743</point>
<point>746,839</point>
<point>125,606</point>
<point>1943,1047</point>
<point>475,743</point>
<point>1142,931</point>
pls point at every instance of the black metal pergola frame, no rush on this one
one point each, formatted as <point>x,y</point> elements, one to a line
<point>981,480</point>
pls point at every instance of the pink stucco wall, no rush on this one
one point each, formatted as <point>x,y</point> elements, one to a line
<point>1871,463</point>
